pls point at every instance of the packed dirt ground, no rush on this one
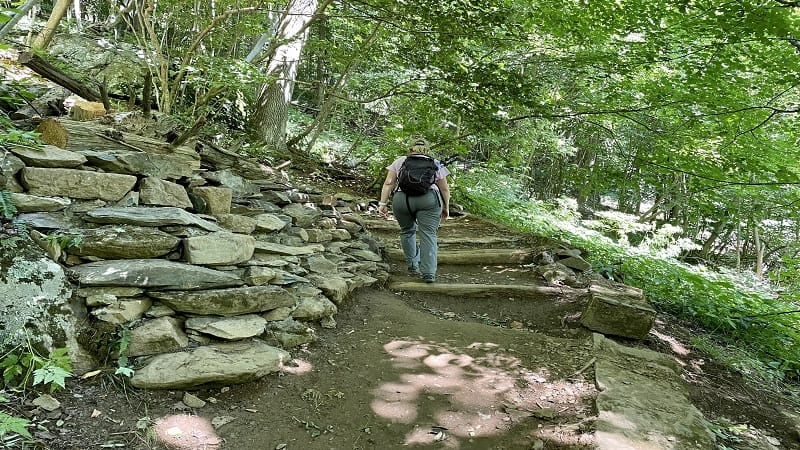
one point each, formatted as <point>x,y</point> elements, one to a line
<point>410,369</point>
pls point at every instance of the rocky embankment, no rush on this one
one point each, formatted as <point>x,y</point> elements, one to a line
<point>208,267</point>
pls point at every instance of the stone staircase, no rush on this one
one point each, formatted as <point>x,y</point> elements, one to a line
<point>641,402</point>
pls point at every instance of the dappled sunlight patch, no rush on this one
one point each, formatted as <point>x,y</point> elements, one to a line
<point>186,432</point>
<point>473,392</point>
<point>674,344</point>
<point>396,411</point>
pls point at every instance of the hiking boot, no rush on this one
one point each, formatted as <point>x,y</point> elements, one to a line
<point>413,270</point>
<point>429,278</point>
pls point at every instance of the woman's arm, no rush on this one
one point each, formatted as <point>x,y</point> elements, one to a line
<point>444,189</point>
<point>386,191</point>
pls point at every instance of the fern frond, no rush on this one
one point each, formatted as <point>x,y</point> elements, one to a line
<point>7,208</point>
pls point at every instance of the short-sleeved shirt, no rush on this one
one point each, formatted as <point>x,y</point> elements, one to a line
<point>441,174</point>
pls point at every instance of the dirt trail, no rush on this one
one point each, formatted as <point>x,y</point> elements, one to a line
<point>422,370</point>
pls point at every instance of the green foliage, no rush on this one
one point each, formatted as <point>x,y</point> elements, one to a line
<point>7,207</point>
<point>123,364</point>
<point>23,365</point>
<point>736,314</point>
<point>64,240</point>
<point>13,425</point>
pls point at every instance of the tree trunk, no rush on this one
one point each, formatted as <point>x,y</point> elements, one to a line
<point>46,35</point>
<point>759,249</point>
<point>268,121</point>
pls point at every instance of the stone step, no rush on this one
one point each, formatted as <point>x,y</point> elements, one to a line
<point>483,290</point>
<point>643,401</point>
<point>480,256</point>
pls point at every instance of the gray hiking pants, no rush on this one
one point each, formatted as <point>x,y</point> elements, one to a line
<point>419,215</point>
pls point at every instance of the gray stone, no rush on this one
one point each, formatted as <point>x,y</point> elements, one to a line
<point>227,363</point>
<point>229,328</point>
<point>159,310</point>
<point>219,248</point>
<point>340,234</point>
<point>162,335</point>
<point>237,223</point>
<point>46,402</point>
<point>34,297</point>
<point>115,291</point>
<point>158,165</point>
<point>192,401</point>
<point>279,249</point>
<point>289,333</point>
<point>239,186</point>
<point>643,402</point>
<point>48,156</point>
<point>576,262</point>
<point>258,276</point>
<point>315,235</point>
<point>124,242</point>
<point>76,183</point>
<point>102,299</point>
<point>314,308</point>
<point>272,260</point>
<point>152,274</point>
<point>303,216</point>
<point>320,264</point>
<point>336,288</point>
<point>351,226</point>
<point>123,311</point>
<point>226,302</point>
<point>49,221</point>
<point>276,197</point>
<point>620,316</point>
<point>154,191</point>
<point>269,222</point>
<point>150,217</point>
<point>9,166</point>
<point>35,203</point>
<point>217,199</point>
<point>366,255</point>
<point>282,313</point>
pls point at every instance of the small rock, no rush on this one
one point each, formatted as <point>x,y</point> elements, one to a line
<point>192,401</point>
<point>46,402</point>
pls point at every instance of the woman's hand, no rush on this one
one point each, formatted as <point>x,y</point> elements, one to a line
<point>384,210</point>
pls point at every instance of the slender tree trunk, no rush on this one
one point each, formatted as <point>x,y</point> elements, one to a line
<point>759,249</point>
<point>268,121</point>
<point>76,8</point>
<point>46,35</point>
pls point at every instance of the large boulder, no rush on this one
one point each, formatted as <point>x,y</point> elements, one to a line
<point>35,297</point>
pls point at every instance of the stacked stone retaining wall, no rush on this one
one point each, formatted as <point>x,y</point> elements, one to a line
<point>213,265</point>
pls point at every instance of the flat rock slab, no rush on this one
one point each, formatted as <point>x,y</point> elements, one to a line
<point>150,217</point>
<point>643,402</point>
<point>152,274</point>
<point>482,256</point>
<point>227,363</point>
<point>483,290</point>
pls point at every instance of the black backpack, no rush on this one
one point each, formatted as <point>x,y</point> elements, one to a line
<point>417,175</point>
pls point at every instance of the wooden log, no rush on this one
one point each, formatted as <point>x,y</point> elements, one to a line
<point>480,256</point>
<point>52,73</point>
<point>484,290</point>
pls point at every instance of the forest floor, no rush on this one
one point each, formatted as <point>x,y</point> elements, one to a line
<point>406,369</point>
